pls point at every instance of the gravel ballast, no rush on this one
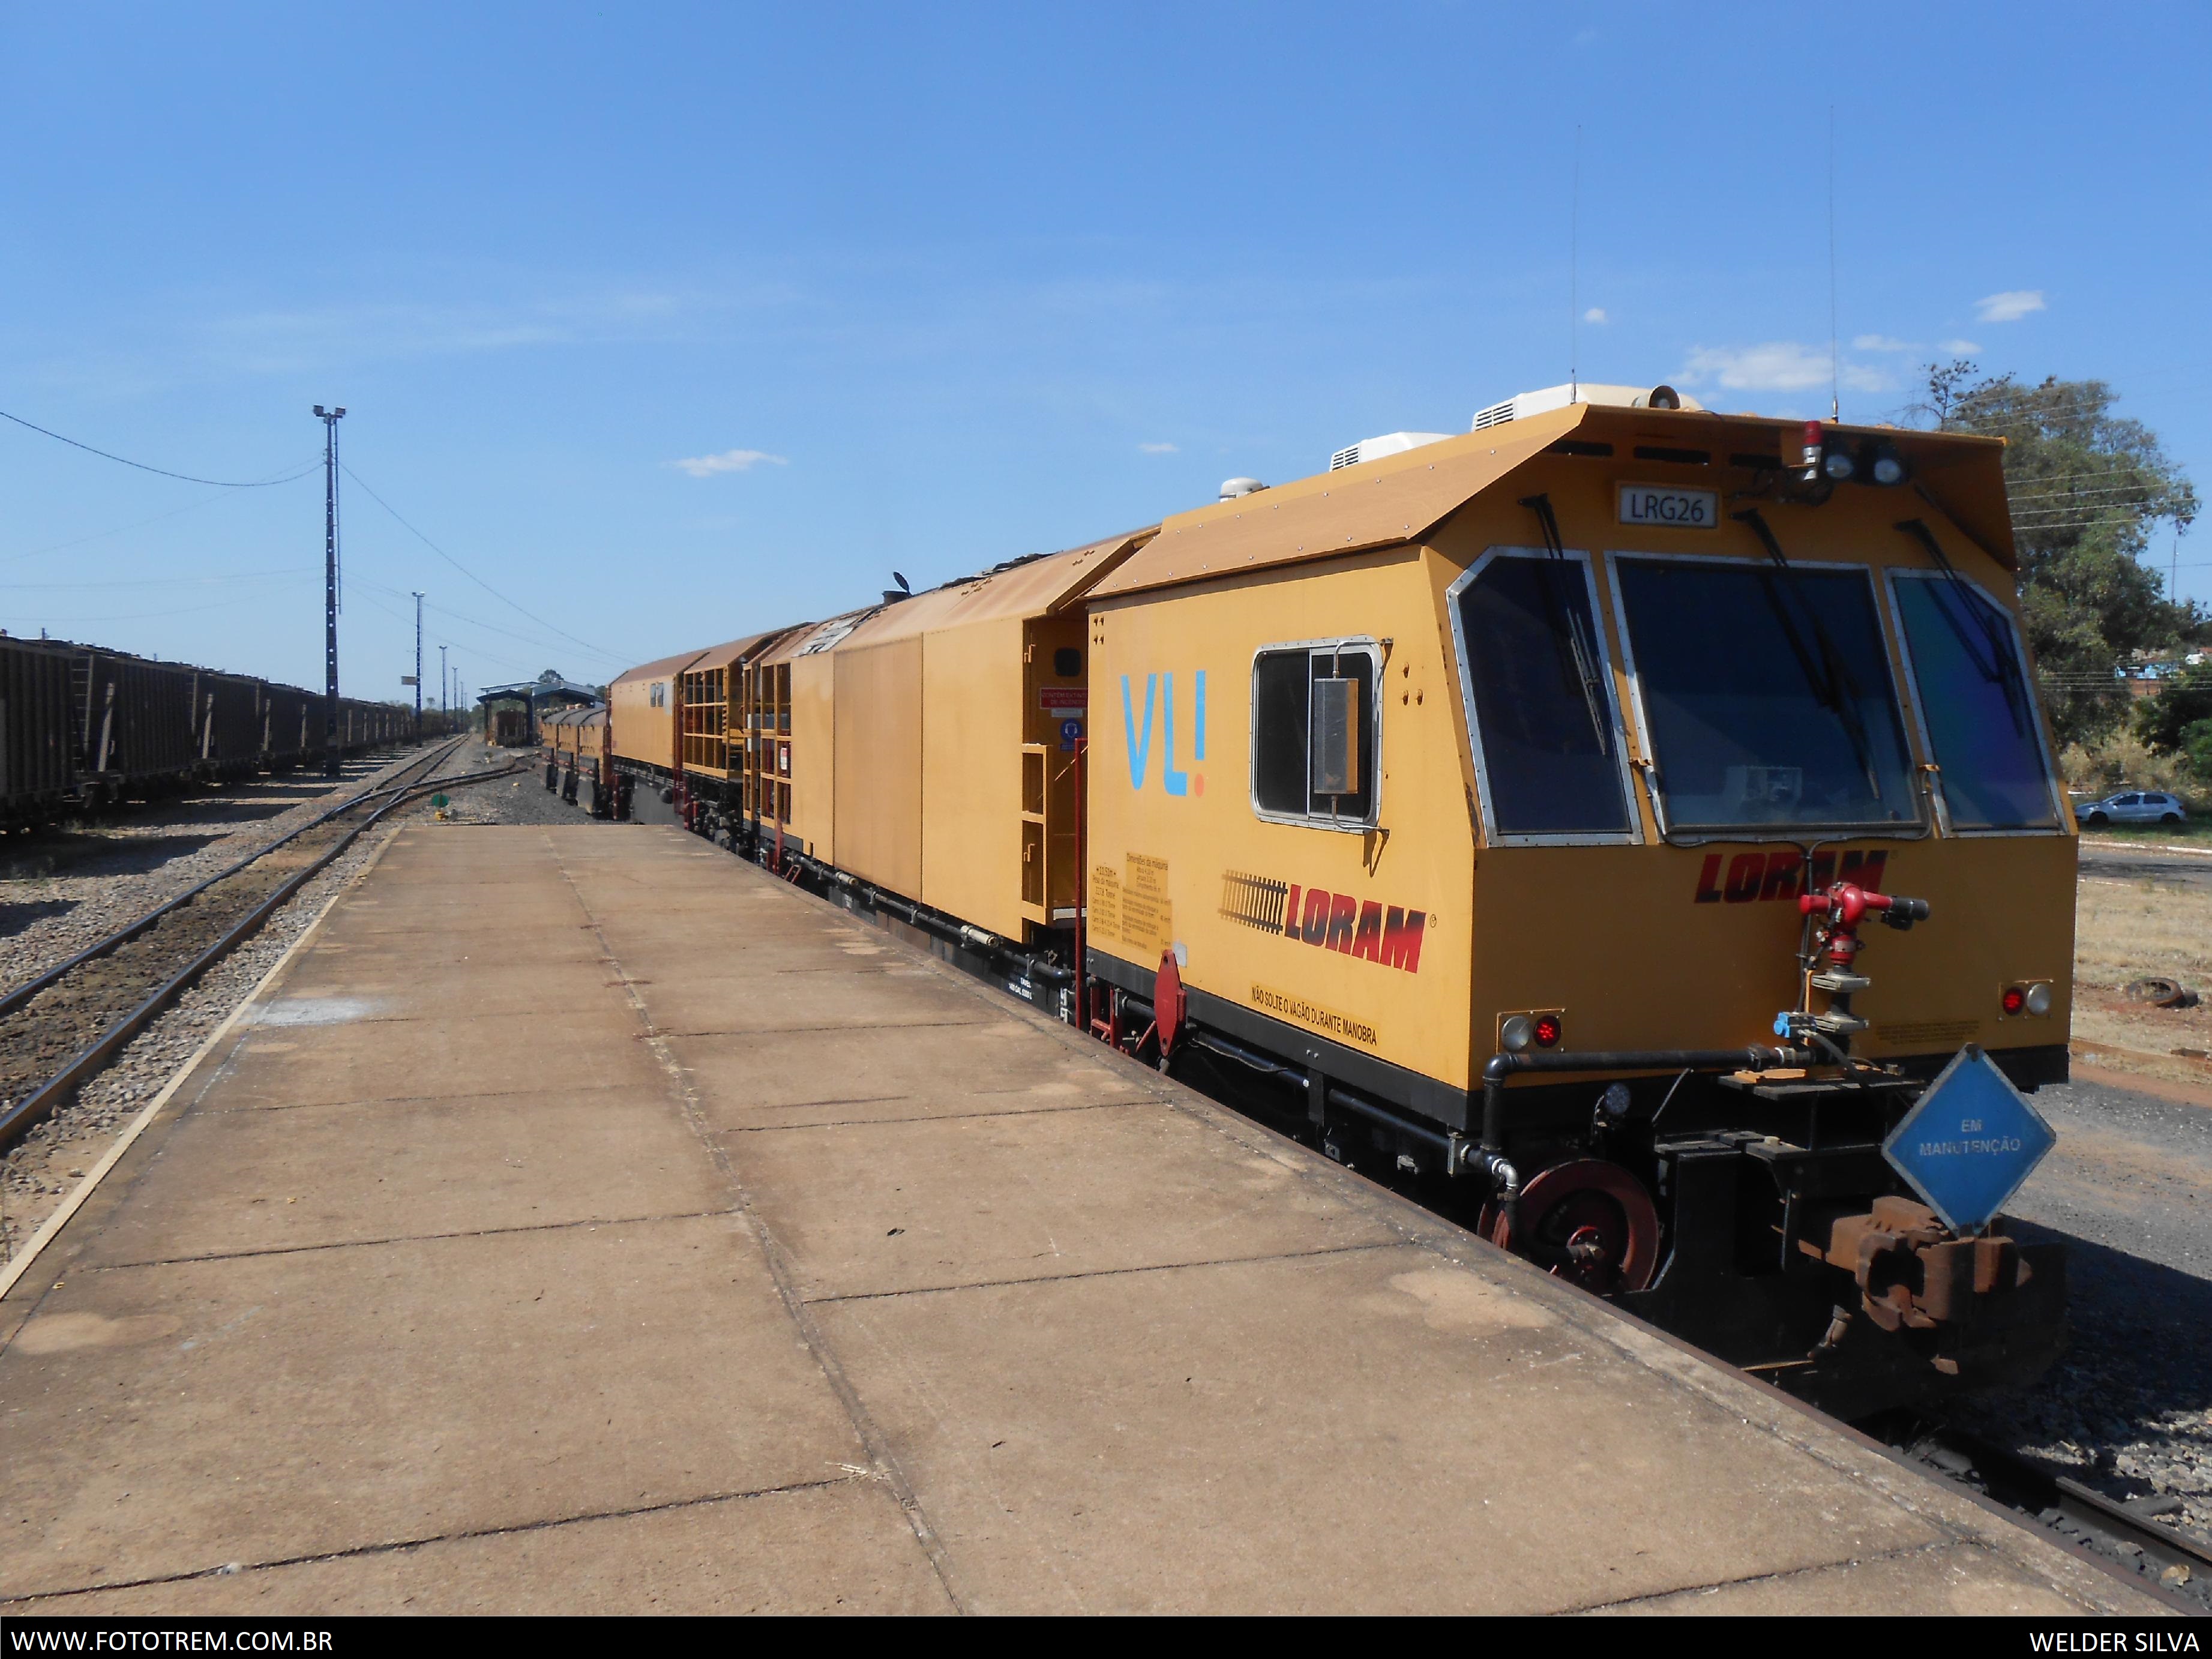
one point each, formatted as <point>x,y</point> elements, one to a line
<point>65,887</point>
<point>37,1173</point>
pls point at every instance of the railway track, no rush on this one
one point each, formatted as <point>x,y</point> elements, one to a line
<point>58,1030</point>
<point>2130,1532</point>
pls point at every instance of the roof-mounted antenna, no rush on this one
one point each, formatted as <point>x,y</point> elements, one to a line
<point>1574,275</point>
<point>1835,358</point>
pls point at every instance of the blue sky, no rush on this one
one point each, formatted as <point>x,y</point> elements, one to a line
<point>930,287</point>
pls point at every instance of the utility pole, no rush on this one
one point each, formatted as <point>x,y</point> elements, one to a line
<point>445,686</point>
<point>330,419</point>
<point>419,668</point>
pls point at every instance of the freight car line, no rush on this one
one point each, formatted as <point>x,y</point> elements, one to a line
<point>20,1117</point>
<point>123,935</point>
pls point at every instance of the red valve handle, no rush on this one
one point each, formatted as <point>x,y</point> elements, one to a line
<point>1847,903</point>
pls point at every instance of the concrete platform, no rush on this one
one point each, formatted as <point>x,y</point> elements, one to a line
<point>583,1221</point>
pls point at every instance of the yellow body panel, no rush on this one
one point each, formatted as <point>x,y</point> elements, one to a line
<point>1168,869</point>
<point>934,699</point>
<point>592,737</point>
<point>878,763</point>
<point>641,705</point>
<point>814,742</point>
<point>971,764</point>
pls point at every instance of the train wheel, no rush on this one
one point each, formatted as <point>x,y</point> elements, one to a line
<point>1587,1220</point>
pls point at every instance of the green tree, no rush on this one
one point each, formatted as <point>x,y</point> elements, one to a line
<point>2087,488</point>
<point>2163,721</point>
<point>2196,744</point>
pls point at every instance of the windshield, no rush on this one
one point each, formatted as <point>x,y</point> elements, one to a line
<point>1975,699</point>
<point>1543,703</point>
<point>1767,695</point>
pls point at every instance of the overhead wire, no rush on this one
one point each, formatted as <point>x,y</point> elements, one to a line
<point>163,581</point>
<point>478,622</point>
<point>136,523</point>
<point>475,651</point>
<point>2141,491</point>
<point>587,644</point>
<point>159,471</point>
<point>129,615</point>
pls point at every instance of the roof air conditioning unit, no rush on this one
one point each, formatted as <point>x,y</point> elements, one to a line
<point>1522,405</point>
<point>1373,449</point>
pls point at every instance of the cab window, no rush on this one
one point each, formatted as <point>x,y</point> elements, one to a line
<point>1542,710</point>
<point>1976,705</point>
<point>1767,695</point>
<point>1314,757</point>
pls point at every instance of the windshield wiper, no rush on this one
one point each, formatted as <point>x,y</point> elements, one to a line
<point>1830,679</point>
<point>2000,667</point>
<point>1578,660</point>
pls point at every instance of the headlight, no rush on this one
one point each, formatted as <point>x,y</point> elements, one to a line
<point>1838,465</point>
<point>1518,1033</point>
<point>2038,998</point>
<point>1888,468</point>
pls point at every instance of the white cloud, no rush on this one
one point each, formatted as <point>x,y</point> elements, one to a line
<point>1595,314</point>
<point>1882,343</point>
<point>730,460</point>
<point>1157,449</point>
<point>1959,348</point>
<point>1778,365</point>
<point>2008,307</point>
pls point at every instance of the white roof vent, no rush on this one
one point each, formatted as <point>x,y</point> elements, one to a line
<point>1522,405</point>
<point>1373,449</point>
<point>1232,488</point>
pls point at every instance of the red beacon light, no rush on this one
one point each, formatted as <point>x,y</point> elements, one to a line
<point>1548,1030</point>
<point>1814,439</point>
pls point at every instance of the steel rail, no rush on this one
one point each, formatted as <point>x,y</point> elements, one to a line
<point>2054,1500</point>
<point>24,992</point>
<point>34,1107</point>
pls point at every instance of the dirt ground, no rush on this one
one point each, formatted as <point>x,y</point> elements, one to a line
<point>2141,913</point>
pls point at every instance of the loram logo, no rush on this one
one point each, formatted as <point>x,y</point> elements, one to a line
<point>1160,717</point>
<point>1385,933</point>
<point>1752,877</point>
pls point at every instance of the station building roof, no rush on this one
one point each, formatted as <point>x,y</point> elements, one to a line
<point>551,686</point>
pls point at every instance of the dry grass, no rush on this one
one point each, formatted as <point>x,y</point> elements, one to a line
<point>2121,762</point>
<point>2130,930</point>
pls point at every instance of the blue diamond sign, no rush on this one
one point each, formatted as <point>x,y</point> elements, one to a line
<point>1968,1141</point>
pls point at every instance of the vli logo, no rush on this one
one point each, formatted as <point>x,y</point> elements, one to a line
<point>1160,703</point>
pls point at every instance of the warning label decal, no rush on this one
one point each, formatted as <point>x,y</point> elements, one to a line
<point>1345,1028</point>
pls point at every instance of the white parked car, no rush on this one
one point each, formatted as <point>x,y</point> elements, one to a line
<point>2132,806</point>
